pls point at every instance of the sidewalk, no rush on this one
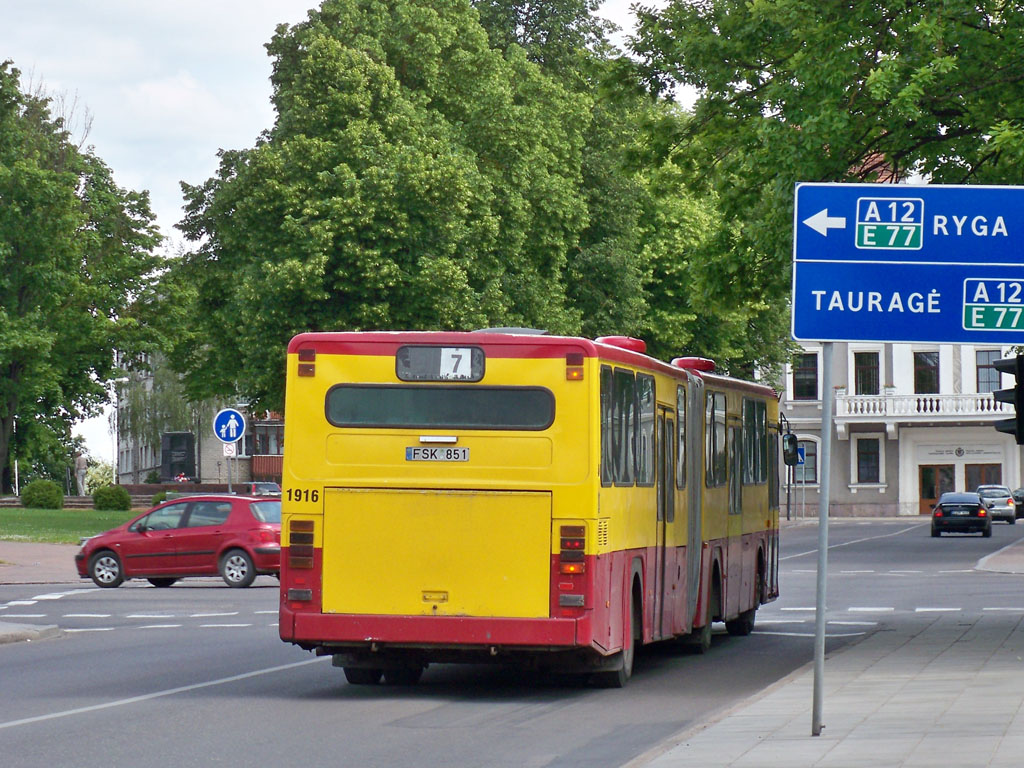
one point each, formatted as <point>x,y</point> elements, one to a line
<point>27,563</point>
<point>945,691</point>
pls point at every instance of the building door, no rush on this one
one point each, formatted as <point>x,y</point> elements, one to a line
<point>936,479</point>
<point>983,474</point>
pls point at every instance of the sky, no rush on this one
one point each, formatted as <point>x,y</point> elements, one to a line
<point>164,85</point>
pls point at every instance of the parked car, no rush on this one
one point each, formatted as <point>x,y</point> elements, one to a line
<point>961,513</point>
<point>999,501</point>
<point>261,489</point>
<point>237,537</point>
<point>1018,502</point>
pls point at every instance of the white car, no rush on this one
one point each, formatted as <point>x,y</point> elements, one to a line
<point>999,501</point>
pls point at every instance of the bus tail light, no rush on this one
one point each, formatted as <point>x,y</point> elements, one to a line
<point>307,362</point>
<point>574,366</point>
<point>300,544</point>
<point>572,550</point>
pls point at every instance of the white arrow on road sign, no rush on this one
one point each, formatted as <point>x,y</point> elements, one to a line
<point>821,222</point>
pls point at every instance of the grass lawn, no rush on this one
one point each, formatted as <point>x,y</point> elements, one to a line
<point>56,526</point>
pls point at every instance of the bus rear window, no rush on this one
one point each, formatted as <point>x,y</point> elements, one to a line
<point>439,407</point>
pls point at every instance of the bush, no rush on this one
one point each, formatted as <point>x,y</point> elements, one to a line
<point>153,478</point>
<point>42,494</point>
<point>111,497</point>
<point>158,498</point>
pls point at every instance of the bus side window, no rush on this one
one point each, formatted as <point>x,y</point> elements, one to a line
<point>624,426</point>
<point>607,427</point>
<point>715,435</point>
<point>681,450</point>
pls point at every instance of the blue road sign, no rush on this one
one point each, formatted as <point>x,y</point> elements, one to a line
<point>900,263</point>
<point>228,425</point>
<point>800,456</point>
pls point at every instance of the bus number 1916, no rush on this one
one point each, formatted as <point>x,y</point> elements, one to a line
<point>303,494</point>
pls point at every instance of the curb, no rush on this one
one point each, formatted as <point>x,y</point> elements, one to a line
<point>15,633</point>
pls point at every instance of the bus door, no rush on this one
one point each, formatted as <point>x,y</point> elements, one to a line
<point>666,515</point>
<point>694,502</point>
<point>734,567</point>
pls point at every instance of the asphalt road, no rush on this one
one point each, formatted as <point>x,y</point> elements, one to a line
<point>196,675</point>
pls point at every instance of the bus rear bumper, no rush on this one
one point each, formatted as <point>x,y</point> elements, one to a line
<point>316,630</point>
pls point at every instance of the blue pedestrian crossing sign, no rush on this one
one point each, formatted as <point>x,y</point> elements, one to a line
<point>229,425</point>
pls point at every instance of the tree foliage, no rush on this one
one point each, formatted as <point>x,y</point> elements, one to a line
<point>793,90</point>
<point>74,250</point>
<point>415,178</point>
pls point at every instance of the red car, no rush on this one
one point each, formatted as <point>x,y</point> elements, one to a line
<point>237,537</point>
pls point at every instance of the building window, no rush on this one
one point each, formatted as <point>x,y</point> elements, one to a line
<point>805,377</point>
<point>265,440</point>
<point>868,460</point>
<point>988,376</point>
<point>808,471</point>
<point>926,373</point>
<point>865,373</point>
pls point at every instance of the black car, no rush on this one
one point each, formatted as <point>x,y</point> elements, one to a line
<point>1018,503</point>
<point>961,513</point>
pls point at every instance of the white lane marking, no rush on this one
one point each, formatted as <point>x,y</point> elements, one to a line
<point>841,572</point>
<point>858,541</point>
<point>150,616</point>
<point>21,602</point>
<point>937,610</point>
<point>52,596</point>
<point>258,613</point>
<point>1016,610</point>
<point>803,570</point>
<point>156,694</point>
<point>91,629</point>
<point>799,609</point>
<point>854,623</point>
<point>159,626</point>
<point>906,571</point>
<point>967,570</point>
<point>24,615</point>
<point>224,625</point>
<point>773,622</point>
<point>869,609</point>
<point>86,615</point>
<point>212,615</point>
<point>790,634</point>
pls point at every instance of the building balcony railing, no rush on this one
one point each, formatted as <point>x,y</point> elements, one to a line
<point>893,409</point>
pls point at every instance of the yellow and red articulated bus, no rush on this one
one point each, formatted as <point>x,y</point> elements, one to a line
<point>519,498</point>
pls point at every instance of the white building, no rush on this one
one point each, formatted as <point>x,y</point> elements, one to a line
<point>912,421</point>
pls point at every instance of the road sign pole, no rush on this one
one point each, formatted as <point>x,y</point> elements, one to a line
<point>824,489</point>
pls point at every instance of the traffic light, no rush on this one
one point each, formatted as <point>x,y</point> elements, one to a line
<point>1014,426</point>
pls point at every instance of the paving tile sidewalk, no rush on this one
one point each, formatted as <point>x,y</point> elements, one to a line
<point>944,690</point>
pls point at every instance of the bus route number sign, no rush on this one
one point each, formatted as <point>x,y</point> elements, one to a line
<point>422,363</point>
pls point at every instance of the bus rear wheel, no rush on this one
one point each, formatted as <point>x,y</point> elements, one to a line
<point>618,677</point>
<point>403,676</point>
<point>743,624</point>
<point>362,675</point>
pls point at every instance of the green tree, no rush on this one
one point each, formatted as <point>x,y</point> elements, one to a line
<point>74,250</point>
<point>415,178</point>
<point>98,475</point>
<point>794,90</point>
